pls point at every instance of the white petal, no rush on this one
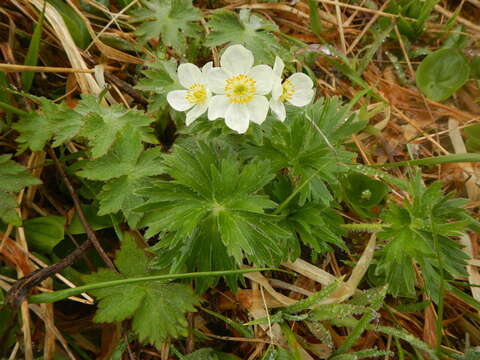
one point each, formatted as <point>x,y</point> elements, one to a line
<point>189,74</point>
<point>278,109</point>
<point>217,80</point>
<point>277,89</point>
<point>301,81</point>
<point>258,109</point>
<point>195,113</point>
<point>237,117</point>
<point>302,97</point>
<point>217,107</point>
<point>278,66</point>
<point>177,100</point>
<point>263,76</point>
<point>206,68</point>
<point>237,59</point>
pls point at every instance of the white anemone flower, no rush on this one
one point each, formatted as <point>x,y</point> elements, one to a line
<point>240,88</point>
<point>297,90</point>
<point>197,96</point>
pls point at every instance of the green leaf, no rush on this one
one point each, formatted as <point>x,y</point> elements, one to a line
<point>160,78</point>
<point>248,29</point>
<point>74,22</point>
<point>434,160</point>
<point>409,10</point>
<point>312,299</point>
<point>96,221</point>
<point>362,191</point>
<point>356,332</point>
<point>32,54</point>
<point>102,124</point>
<point>171,20</point>
<point>410,236</point>
<point>315,23</point>
<point>53,120</point>
<point>13,178</point>
<point>473,140</point>
<point>412,340</point>
<point>209,354</point>
<point>310,145</point>
<point>317,225</point>
<point>157,308</point>
<point>44,233</point>
<point>210,215</point>
<point>363,354</point>
<point>442,73</point>
<point>475,67</point>
<point>124,169</point>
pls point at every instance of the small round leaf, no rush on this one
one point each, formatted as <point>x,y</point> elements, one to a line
<point>442,73</point>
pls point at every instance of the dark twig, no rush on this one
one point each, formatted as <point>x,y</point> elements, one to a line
<point>22,287</point>
<point>76,201</point>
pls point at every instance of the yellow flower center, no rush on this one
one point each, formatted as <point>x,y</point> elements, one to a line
<point>240,89</point>
<point>197,94</point>
<point>288,89</point>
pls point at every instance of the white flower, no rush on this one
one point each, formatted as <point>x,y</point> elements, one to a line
<point>197,96</point>
<point>297,90</point>
<point>241,88</point>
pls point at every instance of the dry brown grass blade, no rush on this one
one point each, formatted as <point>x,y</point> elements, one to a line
<point>106,50</point>
<point>310,271</point>
<point>262,280</point>
<point>472,178</point>
<point>473,273</point>
<point>49,341</point>
<point>86,81</point>
<point>22,68</point>
<point>348,288</point>
<point>366,28</point>
<point>471,26</point>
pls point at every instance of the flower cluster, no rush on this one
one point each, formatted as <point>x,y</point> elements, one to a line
<point>236,91</point>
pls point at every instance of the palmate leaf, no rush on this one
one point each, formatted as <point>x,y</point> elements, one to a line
<point>317,225</point>
<point>411,237</point>
<point>124,169</point>
<point>171,20</point>
<point>160,78</point>
<point>248,29</point>
<point>157,308</point>
<point>301,146</point>
<point>102,124</point>
<point>211,215</point>
<point>13,178</point>
<point>52,121</point>
<point>89,119</point>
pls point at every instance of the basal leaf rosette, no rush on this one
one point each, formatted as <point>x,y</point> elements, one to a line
<point>196,96</point>
<point>240,89</point>
<point>297,90</point>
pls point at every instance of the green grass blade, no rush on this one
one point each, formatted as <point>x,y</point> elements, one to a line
<point>357,331</point>
<point>32,54</point>
<point>435,160</point>
<point>315,23</point>
<point>63,294</point>
<point>12,109</point>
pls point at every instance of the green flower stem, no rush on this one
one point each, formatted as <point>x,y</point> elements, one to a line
<point>444,159</point>
<point>363,227</point>
<point>63,294</point>
<point>294,193</point>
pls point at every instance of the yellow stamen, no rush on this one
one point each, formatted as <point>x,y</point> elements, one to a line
<point>288,89</point>
<point>240,89</point>
<point>197,94</point>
